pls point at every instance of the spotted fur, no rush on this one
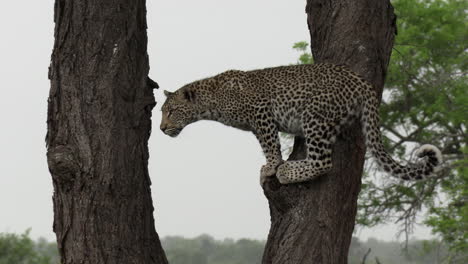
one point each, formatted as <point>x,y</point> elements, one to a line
<point>312,101</point>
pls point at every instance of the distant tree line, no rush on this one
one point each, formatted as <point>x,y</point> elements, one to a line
<point>21,249</point>
<point>204,249</point>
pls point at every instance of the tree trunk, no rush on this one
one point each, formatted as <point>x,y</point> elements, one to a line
<point>99,122</point>
<point>313,222</point>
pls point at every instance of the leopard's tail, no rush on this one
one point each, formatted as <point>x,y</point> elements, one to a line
<point>430,156</point>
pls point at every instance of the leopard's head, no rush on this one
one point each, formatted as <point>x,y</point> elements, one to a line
<point>179,110</point>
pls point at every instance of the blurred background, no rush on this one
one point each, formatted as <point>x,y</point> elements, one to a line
<point>212,209</point>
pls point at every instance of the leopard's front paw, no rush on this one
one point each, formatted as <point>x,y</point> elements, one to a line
<point>284,173</point>
<point>268,170</point>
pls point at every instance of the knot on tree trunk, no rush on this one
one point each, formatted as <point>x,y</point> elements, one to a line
<point>151,84</point>
<point>281,197</point>
<point>62,163</point>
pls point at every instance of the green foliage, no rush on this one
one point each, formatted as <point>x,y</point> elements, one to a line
<point>452,220</point>
<point>20,249</point>
<point>305,57</point>
<point>425,101</point>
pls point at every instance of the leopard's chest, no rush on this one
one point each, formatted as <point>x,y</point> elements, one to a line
<point>288,120</point>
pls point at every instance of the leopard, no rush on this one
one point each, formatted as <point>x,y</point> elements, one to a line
<point>314,102</point>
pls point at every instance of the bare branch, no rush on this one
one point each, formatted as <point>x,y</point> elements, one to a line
<point>365,256</point>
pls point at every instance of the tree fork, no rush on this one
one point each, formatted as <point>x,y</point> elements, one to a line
<point>313,222</point>
<point>99,123</point>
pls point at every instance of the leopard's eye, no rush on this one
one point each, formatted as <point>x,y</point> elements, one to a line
<point>171,111</point>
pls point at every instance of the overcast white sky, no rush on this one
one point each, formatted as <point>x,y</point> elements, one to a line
<point>204,181</point>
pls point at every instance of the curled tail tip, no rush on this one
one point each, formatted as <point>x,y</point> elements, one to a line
<point>432,159</point>
<point>432,152</point>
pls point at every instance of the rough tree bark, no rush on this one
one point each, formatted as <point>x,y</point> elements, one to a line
<point>313,222</point>
<point>99,122</point>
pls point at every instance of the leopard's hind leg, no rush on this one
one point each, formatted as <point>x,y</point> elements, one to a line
<point>319,139</point>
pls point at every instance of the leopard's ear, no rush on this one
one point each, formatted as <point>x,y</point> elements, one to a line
<point>167,93</point>
<point>189,95</point>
